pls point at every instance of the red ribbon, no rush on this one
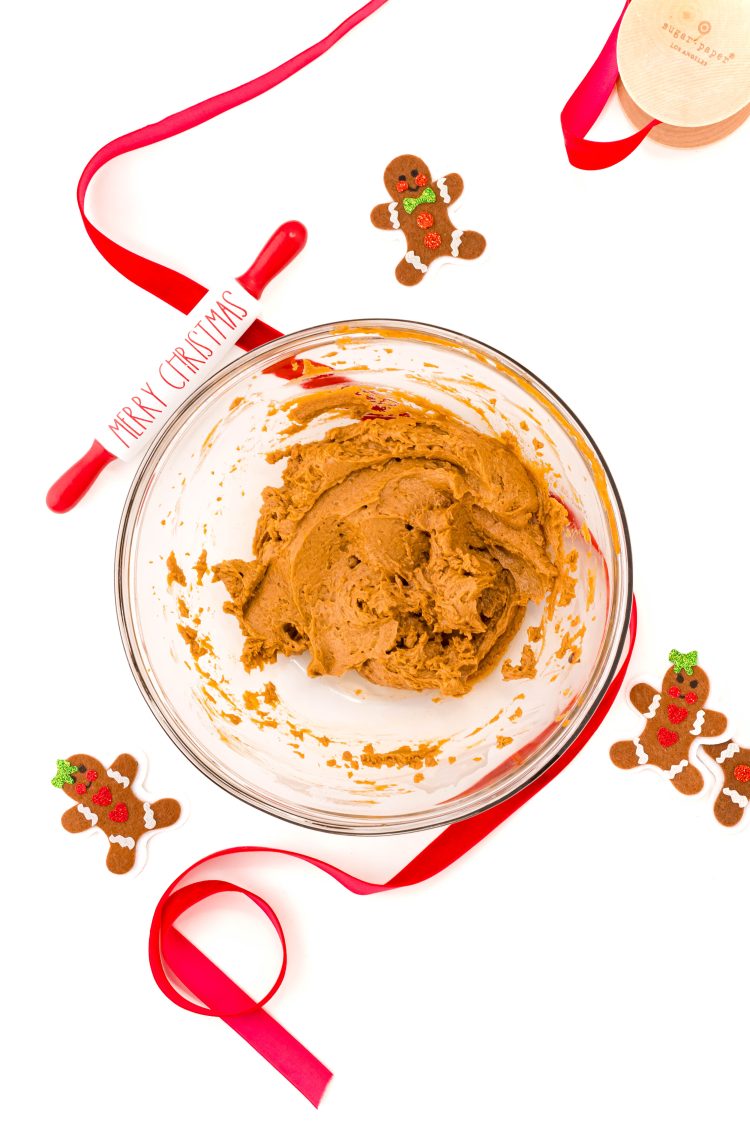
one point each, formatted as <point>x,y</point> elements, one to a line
<point>585,106</point>
<point>175,288</point>
<point>171,953</point>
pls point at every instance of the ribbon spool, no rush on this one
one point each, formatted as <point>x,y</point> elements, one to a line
<point>685,64</point>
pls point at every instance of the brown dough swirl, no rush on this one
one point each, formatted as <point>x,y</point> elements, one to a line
<point>405,545</point>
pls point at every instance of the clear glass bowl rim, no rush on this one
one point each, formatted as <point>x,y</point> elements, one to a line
<point>430,819</point>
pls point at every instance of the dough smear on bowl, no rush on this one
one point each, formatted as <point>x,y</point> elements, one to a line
<point>405,545</point>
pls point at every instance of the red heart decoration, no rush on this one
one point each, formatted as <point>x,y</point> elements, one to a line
<point>666,737</point>
<point>742,772</point>
<point>103,797</point>
<point>677,714</point>
<point>119,813</point>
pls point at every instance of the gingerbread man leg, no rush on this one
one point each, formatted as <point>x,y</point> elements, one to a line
<point>727,811</point>
<point>470,244</point>
<point>166,811</point>
<point>121,854</point>
<point>410,270</point>
<point>688,781</point>
<point>625,755</point>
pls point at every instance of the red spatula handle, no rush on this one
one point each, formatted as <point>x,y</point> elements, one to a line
<point>75,483</point>
<point>283,245</point>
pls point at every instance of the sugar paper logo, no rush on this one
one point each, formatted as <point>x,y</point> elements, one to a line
<point>695,45</point>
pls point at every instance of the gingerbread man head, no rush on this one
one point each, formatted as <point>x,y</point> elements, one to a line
<point>80,776</point>
<point>686,683</point>
<point>406,176</point>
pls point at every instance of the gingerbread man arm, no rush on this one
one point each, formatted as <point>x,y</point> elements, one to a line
<point>166,811</point>
<point>126,766</point>
<point>380,217</point>
<point>714,723</point>
<point>642,696</point>
<point>74,821</point>
<point>451,186</point>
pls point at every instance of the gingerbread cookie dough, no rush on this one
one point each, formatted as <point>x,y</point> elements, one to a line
<point>405,545</point>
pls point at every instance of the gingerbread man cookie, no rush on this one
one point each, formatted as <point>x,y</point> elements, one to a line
<point>734,798</point>
<point>104,799</point>
<point>419,208</point>
<point>675,717</point>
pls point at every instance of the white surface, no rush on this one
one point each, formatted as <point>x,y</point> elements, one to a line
<point>588,962</point>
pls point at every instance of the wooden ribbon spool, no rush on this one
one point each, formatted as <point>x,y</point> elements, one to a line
<point>685,63</point>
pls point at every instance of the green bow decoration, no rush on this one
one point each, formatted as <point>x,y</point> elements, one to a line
<point>683,661</point>
<point>65,773</point>
<point>427,196</point>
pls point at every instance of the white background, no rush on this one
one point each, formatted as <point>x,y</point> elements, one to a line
<point>587,963</point>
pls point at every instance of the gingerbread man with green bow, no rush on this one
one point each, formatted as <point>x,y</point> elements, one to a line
<point>419,208</point>
<point>675,717</point>
<point>104,798</point>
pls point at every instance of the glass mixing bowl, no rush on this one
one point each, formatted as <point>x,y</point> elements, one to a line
<point>343,754</point>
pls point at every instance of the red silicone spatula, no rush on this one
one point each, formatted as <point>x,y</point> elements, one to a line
<point>210,330</point>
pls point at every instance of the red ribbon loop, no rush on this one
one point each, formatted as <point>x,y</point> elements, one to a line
<point>190,895</point>
<point>585,106</point>
<point>171,952</point>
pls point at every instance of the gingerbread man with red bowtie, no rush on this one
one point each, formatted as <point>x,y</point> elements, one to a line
<point>675,717</point>
<point>419,208</point>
